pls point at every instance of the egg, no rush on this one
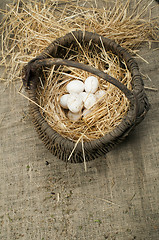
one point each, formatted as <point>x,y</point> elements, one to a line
<point>100,94</point>
<point>83,96</point>
<point>91,84</point>
<point>74,103</point>
<point>75,86</point>
<point>63,101</point>
<point>89,101</point>
<point>74,116</point>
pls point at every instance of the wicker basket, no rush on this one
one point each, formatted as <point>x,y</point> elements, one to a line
<point>53,55</point>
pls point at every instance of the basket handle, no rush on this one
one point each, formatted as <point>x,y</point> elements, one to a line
<point>48,62</point>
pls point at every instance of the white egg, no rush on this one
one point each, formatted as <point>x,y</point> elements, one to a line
<point>90,101</point>
<point>84,96</point>
<point>63,101</point>
<point>91,84</point>
<point>86,112</point>
<point>74,102</point>
<point>75,86</point>
<point>74,116</point>
<point>100,94</point>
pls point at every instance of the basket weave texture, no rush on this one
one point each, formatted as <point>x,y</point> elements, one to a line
<point>54,55</point>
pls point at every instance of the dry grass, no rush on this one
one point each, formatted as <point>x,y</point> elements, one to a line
<point>105,115</point>
<point>28,27</point>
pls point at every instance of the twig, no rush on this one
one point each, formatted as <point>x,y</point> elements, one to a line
<point>58,197</point>
<point>75,146</point>
<point>151,89</point>
<point>108,201</point>
<point>85,166</point>
<point>142,58</point>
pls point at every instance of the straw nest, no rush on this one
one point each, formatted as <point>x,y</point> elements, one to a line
<point>28,27</point>
<point>105,115</point>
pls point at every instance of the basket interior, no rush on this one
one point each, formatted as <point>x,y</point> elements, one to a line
<point>107,113</point>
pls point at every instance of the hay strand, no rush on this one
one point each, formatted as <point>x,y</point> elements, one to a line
<point>28,27</point>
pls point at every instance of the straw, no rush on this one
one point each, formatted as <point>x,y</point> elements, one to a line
<point>107,112</point>
<point>30,26</point>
